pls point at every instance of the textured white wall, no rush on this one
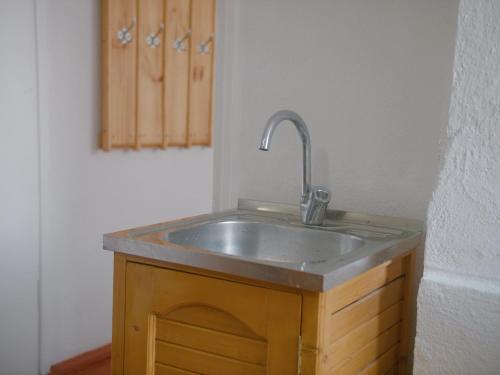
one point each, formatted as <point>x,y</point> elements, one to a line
<point>371,79</point>
<point>19,198</point>
<point>459,301</point>
<point>87,192</point>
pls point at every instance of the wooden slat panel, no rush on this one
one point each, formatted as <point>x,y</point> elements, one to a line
<point>206,363</point>
<point>363,310</point>
<point>274,316</point>
<point>385,364</point>
<point>363,284</point>
<point>201,72</point>
<point>168,370</point>
<point>231,299</point>
<point>150,75</point>
<point>119,65</point>
<point>369,353</point>
<point>178,16</point>
<point>211,318</point>
<point>232,346</point>
<point>355,340</point>
<point>408,318</point>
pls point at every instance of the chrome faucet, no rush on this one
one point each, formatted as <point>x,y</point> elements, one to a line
<point>315,199</point>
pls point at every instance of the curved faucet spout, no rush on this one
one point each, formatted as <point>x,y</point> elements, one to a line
<point>301,127</point>
<point>314,200</point>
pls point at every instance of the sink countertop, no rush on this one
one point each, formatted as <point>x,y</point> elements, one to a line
<point>385,237</point>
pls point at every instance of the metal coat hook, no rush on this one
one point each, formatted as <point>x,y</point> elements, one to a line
<point>203,48</point>
<point>153,40</point>
<point>179,44</point>
<point>124,35</point>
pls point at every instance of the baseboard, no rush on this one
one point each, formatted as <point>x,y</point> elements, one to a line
<point>82,361</point>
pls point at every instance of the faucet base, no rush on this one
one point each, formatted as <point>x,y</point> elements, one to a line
<point>313,209</point>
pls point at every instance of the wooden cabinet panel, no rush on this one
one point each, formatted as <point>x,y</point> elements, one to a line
<point>119,65</point>
<point>167,370</point>
<point>341,349</point>
<point>201,361</point>
<point>360,326</point>
<point>177,321</point>
<point>385,364</point>
<point>363,310</point>
<point>201,71</point>
<point>354,289</point>
<point>213,340</point>
<point>150,74</point>
<point>365,357</point>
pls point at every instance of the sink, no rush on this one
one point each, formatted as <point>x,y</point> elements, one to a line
<point>267,241</point>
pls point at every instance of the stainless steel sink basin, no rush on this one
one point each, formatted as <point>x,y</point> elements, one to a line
<point>267,241</point>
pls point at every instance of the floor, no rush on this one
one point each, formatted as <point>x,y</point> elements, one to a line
<point>100,368</point>
<point>93,362</point>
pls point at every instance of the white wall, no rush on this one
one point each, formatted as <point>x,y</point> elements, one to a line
<point>87,192</point>
<point>19,224</point>
<point>459,300</point>
<point>382,70</point>
<point>371,79</point>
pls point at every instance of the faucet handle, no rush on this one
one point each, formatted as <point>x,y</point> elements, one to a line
<point>314,208</point>
<point>321,194</point>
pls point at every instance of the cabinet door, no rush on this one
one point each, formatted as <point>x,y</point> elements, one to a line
<point>181,323</point>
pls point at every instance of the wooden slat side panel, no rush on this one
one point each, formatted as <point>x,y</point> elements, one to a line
<point>363,284</point>
<point>178,16</point>
<point>201,73</point>
<point>363,310</point>
<point>384,365</point>
<point>359,337</point>
<point>210,341</point>
<point>202,362</point>
<point>169,370</point>
<point>119,75</point>
<point>368,353</point>
<point>407,331</point>
<point>150,74</point>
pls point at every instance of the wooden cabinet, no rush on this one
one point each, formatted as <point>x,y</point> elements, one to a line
<point>157,73</point>
<point>170,319</point>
